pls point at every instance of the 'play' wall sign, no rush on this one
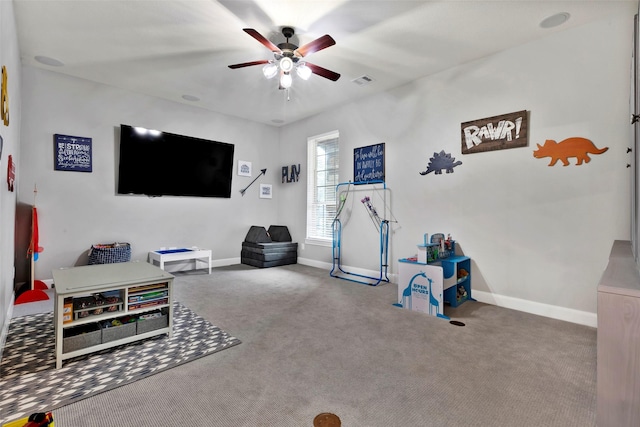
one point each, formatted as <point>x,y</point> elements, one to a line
<point>495,133</point>
<point>292,176</point>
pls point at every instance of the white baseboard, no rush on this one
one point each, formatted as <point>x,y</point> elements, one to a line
<point>313,263</point>
<point>540,309</point>
<point>553,311</point>
<point>356,270</point>
<point>5,325</point>
<point>225,262</point>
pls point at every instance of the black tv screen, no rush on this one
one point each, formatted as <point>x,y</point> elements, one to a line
<point>165,164</point>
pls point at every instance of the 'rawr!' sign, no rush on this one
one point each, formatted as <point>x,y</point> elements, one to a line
<point>495,133</point>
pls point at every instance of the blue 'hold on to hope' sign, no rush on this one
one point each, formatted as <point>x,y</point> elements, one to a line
<point>368,163</point>
<point>72,153</point>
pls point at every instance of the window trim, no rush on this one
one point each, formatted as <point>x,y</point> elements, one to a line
<point>312,143</point>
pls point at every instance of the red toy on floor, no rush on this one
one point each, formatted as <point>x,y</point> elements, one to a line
<point>40,419</point>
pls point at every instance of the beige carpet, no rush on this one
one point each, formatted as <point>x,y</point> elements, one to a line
<point>314,344</point>
<point>30,382</point>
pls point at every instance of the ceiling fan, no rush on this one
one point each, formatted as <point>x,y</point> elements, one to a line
<point>288,56</point>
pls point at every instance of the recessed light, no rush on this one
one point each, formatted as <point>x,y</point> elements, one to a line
<point>190,98</point>
<point>48,61</point>
<point>363,80</point>
<point>555,20</point>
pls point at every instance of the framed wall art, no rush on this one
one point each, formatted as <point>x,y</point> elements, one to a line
<point>495,133</point>
<point>72,153</point>
<point>266,191</point>
<point>244,168</point>
<point>368,163</point>
<point>11,173</point>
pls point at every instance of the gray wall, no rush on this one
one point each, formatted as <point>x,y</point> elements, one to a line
<point>9,57</point>
<point>77,209</point>
<point>539,236</point>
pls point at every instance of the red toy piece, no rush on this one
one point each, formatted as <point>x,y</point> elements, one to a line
<point>40,419</point>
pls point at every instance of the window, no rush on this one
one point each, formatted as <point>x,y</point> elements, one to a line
<point>322,169</point>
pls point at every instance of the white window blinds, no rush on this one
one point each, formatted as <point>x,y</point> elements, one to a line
<point>323,170</point>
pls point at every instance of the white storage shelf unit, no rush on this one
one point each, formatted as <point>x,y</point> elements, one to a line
<point>143,289</point>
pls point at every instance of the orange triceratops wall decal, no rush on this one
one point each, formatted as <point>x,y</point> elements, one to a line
<point>580,148</point>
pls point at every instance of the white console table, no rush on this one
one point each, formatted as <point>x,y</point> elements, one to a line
<point>133,281</point>
<point>164,255</point>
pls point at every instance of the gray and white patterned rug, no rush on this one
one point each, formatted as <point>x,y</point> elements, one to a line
<point>30,383</point>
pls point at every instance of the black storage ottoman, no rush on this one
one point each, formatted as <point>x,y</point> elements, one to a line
<point>262,248</point>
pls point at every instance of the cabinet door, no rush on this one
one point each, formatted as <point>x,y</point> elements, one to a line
<point>449,273</point>
<point>618,355</point>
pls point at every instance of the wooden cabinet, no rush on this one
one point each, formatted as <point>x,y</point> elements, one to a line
<point>138,291</point>
<point>618,377</point>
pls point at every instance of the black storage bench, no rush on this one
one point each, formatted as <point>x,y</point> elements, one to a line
<point>268,248</point>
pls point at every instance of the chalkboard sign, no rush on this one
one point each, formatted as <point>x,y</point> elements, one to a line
<point>72,153</point>
<point>368,163</point>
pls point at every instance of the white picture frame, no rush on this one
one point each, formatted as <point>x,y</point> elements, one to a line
<point>266,191</point>
<point>244,168</point>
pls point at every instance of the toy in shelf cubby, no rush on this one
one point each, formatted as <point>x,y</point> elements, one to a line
<point>148,296</point>
<point>94,304</point>
<point>457,279</point>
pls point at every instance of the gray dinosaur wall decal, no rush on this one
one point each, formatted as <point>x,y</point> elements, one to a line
<point>441,161</point>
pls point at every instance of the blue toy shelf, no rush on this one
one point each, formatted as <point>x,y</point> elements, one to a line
<point>435,276</point>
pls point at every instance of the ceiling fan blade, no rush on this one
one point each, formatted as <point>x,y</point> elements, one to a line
<point>256,35</point>
<point>323,72</point>
<point>248,64</point>
<point>316,45</point>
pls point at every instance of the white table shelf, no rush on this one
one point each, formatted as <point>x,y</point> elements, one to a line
<point>164,255</point>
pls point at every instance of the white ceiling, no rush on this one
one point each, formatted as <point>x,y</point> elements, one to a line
<point>171,48</point>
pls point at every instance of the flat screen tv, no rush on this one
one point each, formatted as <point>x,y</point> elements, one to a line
<point>158,163</point>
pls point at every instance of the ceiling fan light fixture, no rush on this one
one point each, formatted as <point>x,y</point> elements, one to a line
<point>286,80</point>
<point>270,70</point>
<point>303,71</point>
<point>287,56</point>
<point>286,64</point>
